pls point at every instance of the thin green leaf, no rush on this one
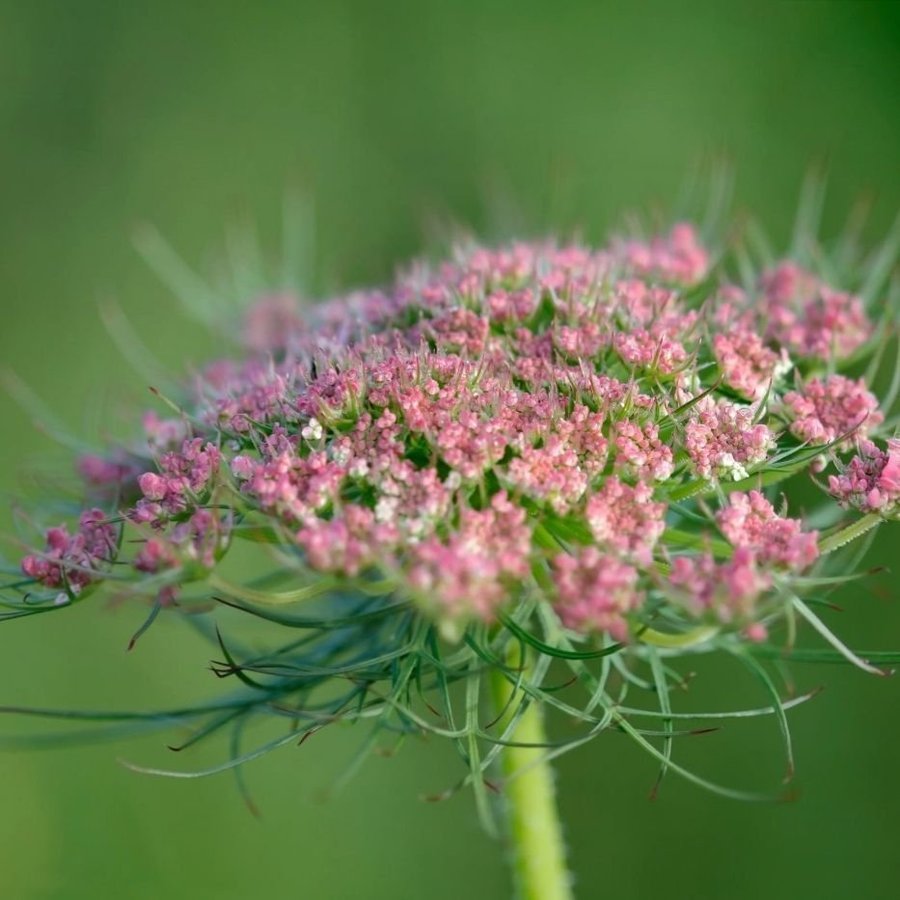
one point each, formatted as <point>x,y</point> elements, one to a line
<point>688,775</point>
<point>558,652</point>
<point>777,706</point>
<point>665,706</point>
<point>222,767</point>
<point>728,714</point>
<point>822,655</point>
<point>832,639</point>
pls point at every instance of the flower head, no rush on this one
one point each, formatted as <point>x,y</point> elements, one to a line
<point>560,449</point>
<point>811,318</point>
<point>749,520</point>
<point>824,410</point>
<point>596,592</point>
<point>727,592</point>
<point>871,481</point>
<point>73,561</point>
<point>723,440</point>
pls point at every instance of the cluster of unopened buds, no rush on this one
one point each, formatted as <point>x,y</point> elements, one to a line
<point>593,443</point>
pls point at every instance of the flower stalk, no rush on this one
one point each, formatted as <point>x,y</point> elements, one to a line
<point>536,846</point>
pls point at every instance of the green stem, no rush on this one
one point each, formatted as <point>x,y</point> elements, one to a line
<point>849,533</point>
<point>534,830</point>
<point>693,638</point>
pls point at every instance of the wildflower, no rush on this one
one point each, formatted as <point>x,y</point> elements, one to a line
<point>644,350</point>
<point>647,306</point>
<point>461,331</point>
<point>312,430</point>
<point>679,256</point>
<point>516,306</point>
<point>747,364</point>
<point>344,544</point>
<point>625,519</point>
<point>871,481</point>
<point>722,440</point>
<point>595,592</point>
<point>470,574</point>
<point>749,520</point>
<point>516,456</point>
<point>155,556</point>
<point>73,561</point>
<point>726,592</point>
<point>582,342</point>
<point>184,476</point>
<point>291,486</point>
<point>418,430</point>
<point>640,453</point>
<point>163,434</point>
<point>838,407</point>
<point>551,473</point>
<point>810,318</point>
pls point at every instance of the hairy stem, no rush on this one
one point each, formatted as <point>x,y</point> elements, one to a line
<point>849,533</point>
<point>534,831</point>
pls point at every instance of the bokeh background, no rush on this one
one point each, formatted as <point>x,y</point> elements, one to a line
<point>525,115</point>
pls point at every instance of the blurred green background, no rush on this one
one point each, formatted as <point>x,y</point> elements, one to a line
<point>536,115</point>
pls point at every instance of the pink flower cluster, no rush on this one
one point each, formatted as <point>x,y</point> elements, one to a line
<point>469,573</point>
<point>291,486</point>
<point>596,592</point>
<point>73,561</point>
<point>723,441</point>
<point>809,318</point>
<point>183,477</point>
<point>551,473</point>
<point>747,364</point>
<point>345,544</point>
<point>526,420</point>
<point>194,544</point>
<point>750,521</point>
<point>658,354</point>
<point>836,407</point>
<point>679,256</point>
<point>559,471</point>
<point>625,519</point>
<point>101,472</point>
<point>871,481</point>
<point>640,453</point>
<point>728,591</point>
